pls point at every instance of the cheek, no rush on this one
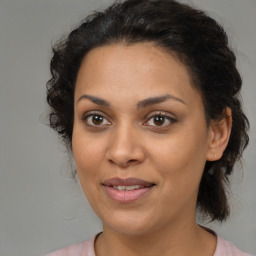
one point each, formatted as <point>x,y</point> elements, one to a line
<point>178,151</point>
<point>88,156</point>
<point>181,161</point>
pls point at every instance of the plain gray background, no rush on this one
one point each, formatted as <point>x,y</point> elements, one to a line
<point>41,207</point>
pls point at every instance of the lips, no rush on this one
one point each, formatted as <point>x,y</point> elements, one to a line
<point>126,182</point>
<point>126,190</point>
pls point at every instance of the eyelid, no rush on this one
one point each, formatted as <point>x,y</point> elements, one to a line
<point>95,112</point>
<point>163,114</point>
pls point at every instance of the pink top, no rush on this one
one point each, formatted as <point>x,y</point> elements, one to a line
<point>224,248</point>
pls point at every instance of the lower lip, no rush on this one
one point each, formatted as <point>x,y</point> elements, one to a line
<point>127,196</point>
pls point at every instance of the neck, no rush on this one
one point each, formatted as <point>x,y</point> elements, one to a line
<point>179,239</point>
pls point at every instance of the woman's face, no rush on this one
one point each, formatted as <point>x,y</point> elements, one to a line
<point>140,138</point>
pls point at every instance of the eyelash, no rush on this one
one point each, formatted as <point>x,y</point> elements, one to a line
<point>167,117</point>
<point>92,114</point>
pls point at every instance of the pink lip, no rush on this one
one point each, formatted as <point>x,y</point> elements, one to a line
<point>126,196</point>
<point>126,182</point>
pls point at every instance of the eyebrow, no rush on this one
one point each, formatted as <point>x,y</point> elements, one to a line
<point>95,100</point>
<point>141,104</point>
<point>156,100</point>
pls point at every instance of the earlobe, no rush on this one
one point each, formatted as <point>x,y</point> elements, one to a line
<point>219,136</point>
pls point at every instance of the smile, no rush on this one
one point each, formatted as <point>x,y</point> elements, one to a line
<point>127,190</point>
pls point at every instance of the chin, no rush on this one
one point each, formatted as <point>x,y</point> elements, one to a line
<point>129,224</point>
<point>129,229</point>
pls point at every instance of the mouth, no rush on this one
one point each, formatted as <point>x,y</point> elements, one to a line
<point>127,190</point>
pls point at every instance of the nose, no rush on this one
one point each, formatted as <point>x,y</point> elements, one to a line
<point>125,147</point>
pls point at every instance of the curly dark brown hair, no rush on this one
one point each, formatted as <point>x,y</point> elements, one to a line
<point>199,42</point>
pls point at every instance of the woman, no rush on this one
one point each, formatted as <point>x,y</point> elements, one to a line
<point>146,96</point>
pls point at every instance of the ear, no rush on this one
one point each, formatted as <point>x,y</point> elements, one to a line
<point>219,136</point>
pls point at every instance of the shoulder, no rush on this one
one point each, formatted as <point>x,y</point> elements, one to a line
<point>227,248</point>
<point>83,249</point>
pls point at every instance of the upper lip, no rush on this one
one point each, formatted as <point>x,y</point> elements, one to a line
<point>127,182</point>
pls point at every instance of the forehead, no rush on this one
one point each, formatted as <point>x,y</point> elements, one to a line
<point>140,70</point>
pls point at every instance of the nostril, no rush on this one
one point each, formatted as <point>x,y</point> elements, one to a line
<point>132,161</point>
<point>124,164</point>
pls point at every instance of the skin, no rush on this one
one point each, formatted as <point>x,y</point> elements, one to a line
<point>128,142</point>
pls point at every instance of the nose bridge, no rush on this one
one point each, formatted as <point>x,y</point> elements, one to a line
<point>125,146</point>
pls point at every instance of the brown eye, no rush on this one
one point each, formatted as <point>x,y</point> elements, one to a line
<point>96,120</point>
<point>159,120</point>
